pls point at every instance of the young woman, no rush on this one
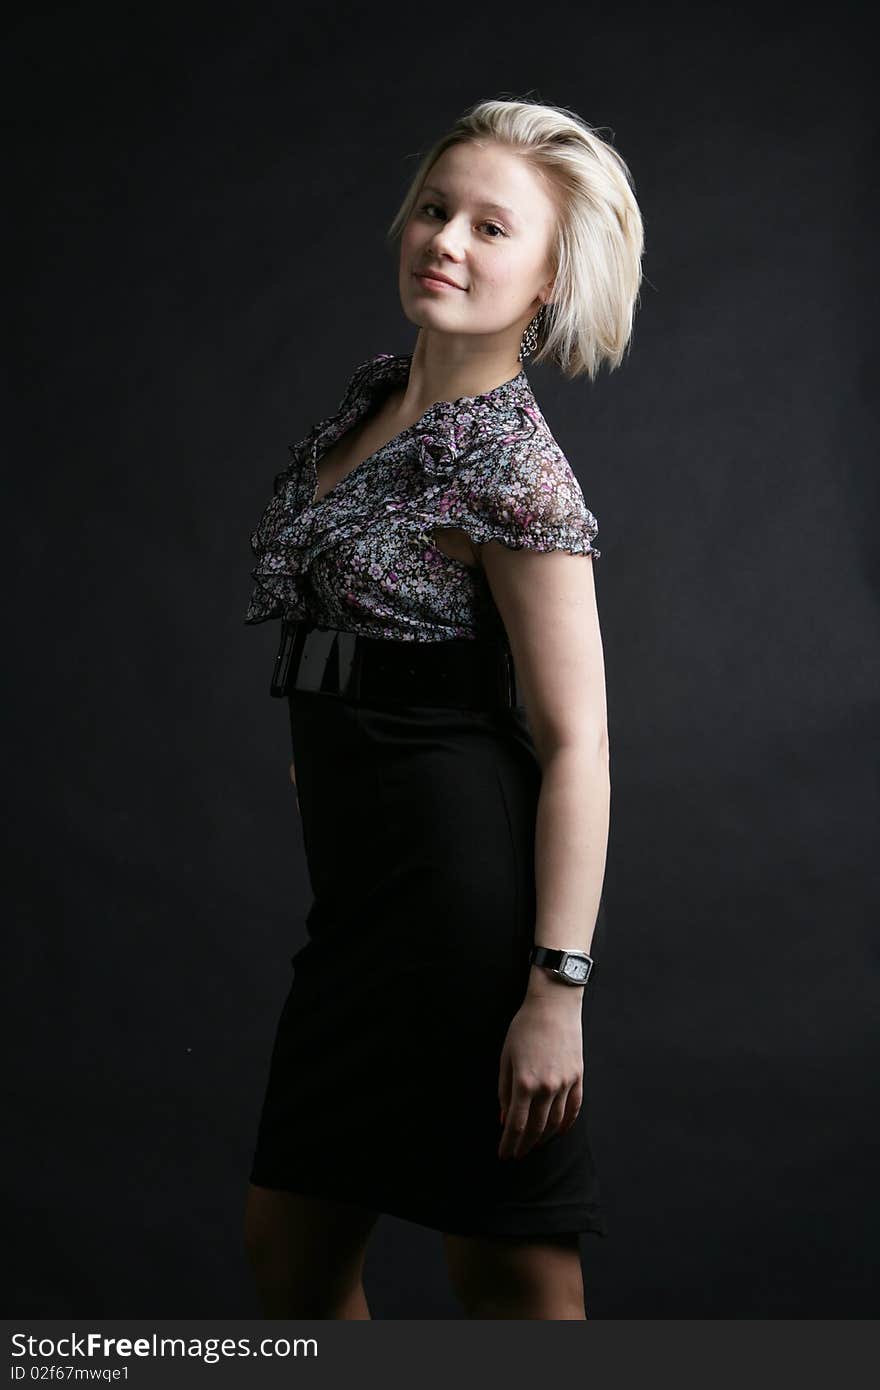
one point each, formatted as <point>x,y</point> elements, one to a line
<point>430,554</point>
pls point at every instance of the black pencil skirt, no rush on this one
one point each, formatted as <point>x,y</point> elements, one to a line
<point>418,827</point>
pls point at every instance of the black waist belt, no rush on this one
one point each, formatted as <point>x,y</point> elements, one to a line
<point>458,672</point>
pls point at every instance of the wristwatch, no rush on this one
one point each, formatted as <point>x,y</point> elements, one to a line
<point>571,966</point>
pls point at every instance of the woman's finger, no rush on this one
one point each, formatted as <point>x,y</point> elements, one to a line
<point>539,1110</point>
<point>556,1117</point>
<point>515,1121</point>
<point>505,1084</point>
<point>573,1102</point>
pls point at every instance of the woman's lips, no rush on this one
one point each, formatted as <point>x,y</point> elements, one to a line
<point>429,283</point>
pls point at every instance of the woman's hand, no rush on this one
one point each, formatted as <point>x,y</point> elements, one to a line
<point>541,1080</point>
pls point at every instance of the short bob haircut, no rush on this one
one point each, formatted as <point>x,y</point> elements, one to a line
<point>597,256</point>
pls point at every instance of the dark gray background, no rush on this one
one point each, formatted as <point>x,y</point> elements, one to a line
<point>199,199</point>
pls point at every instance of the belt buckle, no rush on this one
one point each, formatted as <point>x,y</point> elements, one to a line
<point>327,663</point>
<point>321,660</point>
<point>280,683</point>
<point>509,689</point>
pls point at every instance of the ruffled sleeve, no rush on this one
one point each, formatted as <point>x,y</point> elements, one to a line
<point>525,495</point>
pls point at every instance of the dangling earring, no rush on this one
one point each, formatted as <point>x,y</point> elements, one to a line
<point>530,338</point>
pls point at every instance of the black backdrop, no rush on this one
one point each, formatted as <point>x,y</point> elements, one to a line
<point>187,188</point>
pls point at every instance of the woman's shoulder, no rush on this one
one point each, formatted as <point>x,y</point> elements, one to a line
<point>371,373</point>
<point>520,487</point>
<point>356,390</point>
<point>366,369</point>
<point>521,455</point>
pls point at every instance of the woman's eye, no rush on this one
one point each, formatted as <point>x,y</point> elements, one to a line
<point>426,207</point>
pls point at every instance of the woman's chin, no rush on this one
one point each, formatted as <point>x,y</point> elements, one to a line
<point>427,315</point>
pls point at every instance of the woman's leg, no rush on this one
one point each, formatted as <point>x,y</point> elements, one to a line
<point>516,1276</point>
<point>307,1254</point>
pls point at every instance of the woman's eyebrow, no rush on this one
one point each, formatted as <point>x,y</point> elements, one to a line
<point>494,207</point>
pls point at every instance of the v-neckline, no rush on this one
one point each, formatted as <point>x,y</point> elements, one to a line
<point>315,457</point>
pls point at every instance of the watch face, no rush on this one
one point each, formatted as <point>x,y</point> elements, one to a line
<point>576,969</point>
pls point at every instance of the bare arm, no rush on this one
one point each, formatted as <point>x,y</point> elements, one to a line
<point>548,604</point>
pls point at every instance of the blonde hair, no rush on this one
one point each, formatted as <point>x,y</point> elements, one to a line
<point>597,254</point>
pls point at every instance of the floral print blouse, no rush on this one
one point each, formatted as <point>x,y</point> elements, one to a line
<point>362,557</point>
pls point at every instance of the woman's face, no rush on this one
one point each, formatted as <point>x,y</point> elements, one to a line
<point>485,220</point>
